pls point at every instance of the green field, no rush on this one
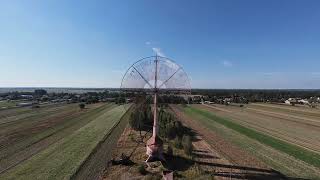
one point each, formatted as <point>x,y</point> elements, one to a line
<point>295,151</point>
<point>7,104</point>
<point>58,141</point>
<point>279,154</point>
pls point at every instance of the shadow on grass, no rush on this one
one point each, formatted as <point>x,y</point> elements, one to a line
<point>207,156</point>
<point>200,151</point>
<point>246,172</point>
<point>190,132</point>
<point>177,163</point>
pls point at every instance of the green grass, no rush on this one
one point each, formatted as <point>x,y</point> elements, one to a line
<point>68,124</point>
<point>61,160</point>
<point>290,149</point>
<point>7,104</point>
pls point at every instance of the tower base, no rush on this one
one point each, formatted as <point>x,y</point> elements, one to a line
<point>155,149</point>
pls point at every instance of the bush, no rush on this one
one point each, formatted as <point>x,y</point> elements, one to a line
<point>35,106</point>
<point>187,145</point>
<point>153,177</point>
<point>120,100</point>
<point>171,131</point>
<point>141,118</point>
<point>142,170</point>
<point>82,106</point>
<point>136,121</point>
<point>170,127</point>
<point>195,172</point>
<point>179,128</point>
<point>170,151</point>
<point>177,143</point>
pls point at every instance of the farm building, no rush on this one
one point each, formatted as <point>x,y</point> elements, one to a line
<point>303,101</point>
<point>195,98</point>
<point>27,96</point>
<point>23,104</point>
<point>208,102</point>
<point>291,101</point>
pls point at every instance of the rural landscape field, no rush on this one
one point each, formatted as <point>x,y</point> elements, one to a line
<point>62,135</point>
<point>254,141</point>
<point>151,90</point>
<point>273,137</point>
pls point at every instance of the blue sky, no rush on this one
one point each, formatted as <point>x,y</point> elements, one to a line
<point>221,44</point>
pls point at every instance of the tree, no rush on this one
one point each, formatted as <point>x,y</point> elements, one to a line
<point>169,151</point>
<point>187,144</point>
<point>140,118</point>
<point>40,92</point>
<point>121,100</point>
<point>82,106</point>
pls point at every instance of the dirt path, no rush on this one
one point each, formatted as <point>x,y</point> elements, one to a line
<point>237,163</point>
<point>127,144</point>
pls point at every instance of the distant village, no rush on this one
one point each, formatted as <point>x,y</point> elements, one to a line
<point>41,96</point>
<point>228,97</point>
<point>201,99</point>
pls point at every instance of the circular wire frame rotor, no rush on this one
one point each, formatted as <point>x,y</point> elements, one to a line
<point>154,76</point>
<point>170,77</point>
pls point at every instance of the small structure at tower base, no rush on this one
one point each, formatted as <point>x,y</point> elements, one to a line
<point>155,149</point>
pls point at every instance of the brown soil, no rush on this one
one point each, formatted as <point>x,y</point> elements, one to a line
<point>128,145</point>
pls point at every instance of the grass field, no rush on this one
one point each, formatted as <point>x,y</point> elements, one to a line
<point>52,142</point>
<point>289,158</point>
<point>295,151</point>
<point>297,126</point>
<point>7,104</point>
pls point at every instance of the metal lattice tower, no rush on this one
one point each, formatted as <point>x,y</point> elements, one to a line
<point>155,76</point>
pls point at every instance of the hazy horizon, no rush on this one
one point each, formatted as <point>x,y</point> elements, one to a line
<point>221,44</point>
<point>120,88</point>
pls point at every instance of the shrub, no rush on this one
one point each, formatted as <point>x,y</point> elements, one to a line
<point>187,144</point>
<point>35,106</point>
<point>177,143</point>
<point>82,106</point>
<point>195,172</point>
<point>179,128</point>
<point>153,177</point>
<point>171,131</point>
<point>136,121</point>
<point>142,170</point>
<point>141,118</point>
<point>170,151</point>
